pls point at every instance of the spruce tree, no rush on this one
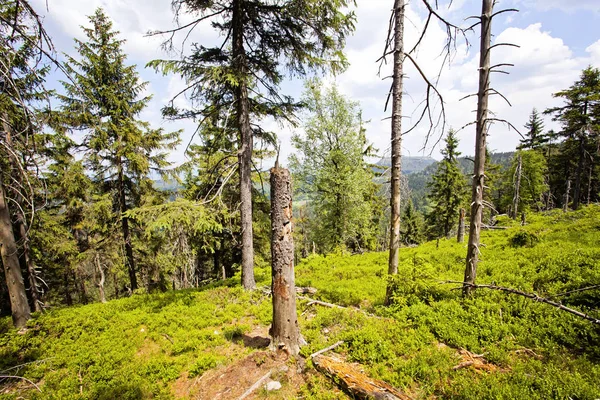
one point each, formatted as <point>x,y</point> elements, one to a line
<point>534,139</point>
<point>579,117</point>
<point>104,103</point>
<point>411,225</point>
<point>263,40</point>
<point>22,72</point>
<point>447,189</point>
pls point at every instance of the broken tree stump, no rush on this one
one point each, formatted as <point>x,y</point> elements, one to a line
<point>285,330</point>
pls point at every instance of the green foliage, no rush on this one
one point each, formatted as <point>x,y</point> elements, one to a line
<point>330,168</point>
<point>535,138</point>
<point>447,190</point>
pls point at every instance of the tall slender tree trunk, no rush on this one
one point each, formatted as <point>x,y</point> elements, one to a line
<point>34,285</point>
<point>396,139</point>
<point>566,196</point>
<point>480,142</point>
<point>579,173</point>
<point>517,188</point>
<point>460,236</point>
<point>589,189</point>
<point>129,258</point>
<point>285,330</point>
<point>12,269</point>
<point>102,279</point>
<point>246,144</point>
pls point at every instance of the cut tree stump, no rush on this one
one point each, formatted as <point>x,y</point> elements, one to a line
<point>351,379</point>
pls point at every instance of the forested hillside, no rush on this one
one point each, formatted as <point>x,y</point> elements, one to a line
<point>149,250</point>
<point>431,342</point>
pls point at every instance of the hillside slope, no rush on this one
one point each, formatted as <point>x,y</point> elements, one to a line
<point>209,343</point>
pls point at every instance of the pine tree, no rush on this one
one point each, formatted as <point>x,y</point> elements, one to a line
<point>263,40</point>
<point>447,189</point>
<point>534,139</point>
<point>104,103</point>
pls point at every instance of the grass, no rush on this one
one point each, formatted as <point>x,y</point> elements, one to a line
<point>139,347</point>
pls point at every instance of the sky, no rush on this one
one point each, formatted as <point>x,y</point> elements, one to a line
<point>557,39</point>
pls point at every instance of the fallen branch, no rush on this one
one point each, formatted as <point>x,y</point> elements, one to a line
<point>333,346</point>
<point>532,296</point>
<point>319,302</point>
<point>255,386</point>
<point>20,377</point>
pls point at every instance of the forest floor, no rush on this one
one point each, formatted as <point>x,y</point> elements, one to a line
<point>212,343</point>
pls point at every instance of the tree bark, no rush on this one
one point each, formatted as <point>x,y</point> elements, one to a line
<point>566,196</point>
<point>129,260</point>
<point>285,330</point>
<point>515,209</point>
<point>12,270</point>
<point>480,143</point>
<point>460,236</point>
<point>28,263</point>
<point>246,144</point>
<point>396,138</point>
<point>579,173</point>
<point>102,279</point>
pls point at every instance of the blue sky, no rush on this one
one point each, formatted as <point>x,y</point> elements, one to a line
<point>558,39</point>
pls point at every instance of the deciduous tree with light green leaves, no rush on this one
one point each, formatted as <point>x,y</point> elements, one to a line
<point>104,103</point>
<point>239,79</point>
<point>330,167</point>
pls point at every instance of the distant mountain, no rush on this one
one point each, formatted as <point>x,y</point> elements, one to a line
<point>410,164</point>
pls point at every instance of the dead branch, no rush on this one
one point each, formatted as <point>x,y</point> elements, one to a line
<point>319,302</point>
<point>532,296</point>
<point>333,346</point>
<point>22,378</point>
<point>256,385</point>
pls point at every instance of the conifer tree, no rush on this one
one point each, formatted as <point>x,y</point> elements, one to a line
<point>411,225</point>
<point>447,189</point>
<point>534,139</point>
<point>241,77</point>
<point>104,103</point>
<point>22,71</point>
<point>580,121</point>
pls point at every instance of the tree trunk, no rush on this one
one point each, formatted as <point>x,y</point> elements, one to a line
<point>577,192</point>
<point>285,330</point>
<point>517,188</point>
<point>396,139</point>
<point>246,144</point>
<point>589,191</point>
<point>102,279</point>
<point>68,297</point>
<point>36,297</point>
<point>566,196</point>
<point>12,270</point>
<point>129,260</point>
<point>480,141</point>
<point>460,236</point>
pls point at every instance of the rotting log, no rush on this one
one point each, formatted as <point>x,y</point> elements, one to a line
<point>285,330</point>
<point>358,385</point>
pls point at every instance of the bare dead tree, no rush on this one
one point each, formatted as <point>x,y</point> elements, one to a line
<point>394,45</point>
<point>566,195</point>
<point>517,186</point>
<point>460,236</point>
<point>482,126</point>
<point>102,278</point>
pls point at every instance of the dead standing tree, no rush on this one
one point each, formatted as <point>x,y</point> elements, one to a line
<point>395,45</point>
<point>285,330</point>
<point>482,126</point>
